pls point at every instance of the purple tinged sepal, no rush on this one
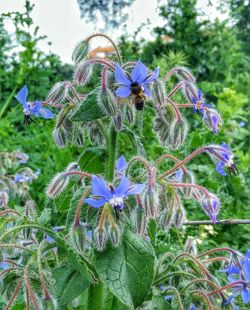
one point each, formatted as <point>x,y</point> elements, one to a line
<point>78,237</point>
<point>4,198</point>
<point>177,133</point>
<point>186,177</point>
<point>115,235</point>
<point>49,303</point>
<point>139,220</point>
<point>212,119</point>
<point>83,73</point>
<point>191,246</point>
<point>130,113</point>
<point>180,215</point>
<point>101,236</point>
<point>185,74</point>
<point>151,203</point>
<point>211,206</point>
<point>159,93</point>
<point>80,51</point>
<point>168,203</point>
<point>22,157</point>
<point>118,122</point>
<point>57,185</point>
<point>59,92</point>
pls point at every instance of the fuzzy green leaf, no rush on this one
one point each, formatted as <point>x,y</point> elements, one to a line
<point>92,160</point>
<point>127,270</point>
<point>88,109</point>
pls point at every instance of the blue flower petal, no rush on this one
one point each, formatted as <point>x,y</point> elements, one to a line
<point>99,188</point>
<point>153,76</point>
<point>147,92</point>
<point>95,203</point>
<point>120,76</point>
<point>248,254</point>
<point>22,96</point>
<point>230,299</point>
<point>4,265</point>
<point>246,269</point>
<point>178,175</point>
<point>135,189</point>
<point>122,188</point>
<point>121,164</point>
<point>215,122</point>
<point>35,107</point>
<point>46,113</point>
<point>139,73</point>
<point>123,92</point>
<point>219,168</point>
<point>245,294</point>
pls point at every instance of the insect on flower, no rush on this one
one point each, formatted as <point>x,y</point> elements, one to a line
<point>115,196</point>
<point>32,108</point>
<point>135,84</point>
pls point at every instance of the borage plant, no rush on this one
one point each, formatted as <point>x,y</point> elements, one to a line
<point>103,254</point>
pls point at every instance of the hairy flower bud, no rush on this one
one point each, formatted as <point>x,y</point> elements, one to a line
<point>107,102</point>
<point>140,220</point>
<point>80,52</point>
<point>184,73</point>
<point>151,203</point>
<point>178,131</point>
<point>95,134</point>
<point>49,303</point>
<point>211,206</point>
<point>100,238</point>
<point>190,246</point>
<point>158,92</point>
<point>118,122</point>
<point>180,215</point>
<point>77,136</point>
<point>115,235</point>
<point>190,91</point>
<point>59,92</point>
<point>212,119</point>
<point>168,203</point>
<point>78,237</point>
<point>130,113</point>
<point>4,198</point>
<point>83,73</point>
<point>57,185</point>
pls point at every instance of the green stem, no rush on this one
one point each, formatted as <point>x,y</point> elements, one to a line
<point>7,102</point>
<point>111,148</point>
<point>95,297</point>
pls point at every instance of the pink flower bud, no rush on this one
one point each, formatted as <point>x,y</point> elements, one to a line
<point>57,185</point>
<point>83,73</point>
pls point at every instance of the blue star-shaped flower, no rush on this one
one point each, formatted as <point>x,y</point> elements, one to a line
<point>32,108</point>
<point>114,196</point>
<point>139,78</point>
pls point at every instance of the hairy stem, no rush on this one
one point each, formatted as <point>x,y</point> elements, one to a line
<point>95,297</point>
<point>111,149</point>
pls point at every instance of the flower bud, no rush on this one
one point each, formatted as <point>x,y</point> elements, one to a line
<point>158,92</point>
<point>115,235</point>
<point>83,73</point>
<point>80,52</point>
<point>168,202</point>
<point>180,214</point>
<point>4,198</point>
<point>190,91</point>
<point>151,203</point>
<point>140,220</point>
<point>118,122</point>
<point>190,246</point>
<point>59,92</point>
<point>94,133</point>
<point>77,137</point>
<point>78,237</point>
<point>60,137</point>
<point>211,206</point>
<point>185,74</point>
<point>178,131</point>
<point>22,157</point>
<point>107,102</point>
<point>100,238</point>
<point>130,113</point>
<point>49,303</point>
<point>57,185</point>
<point>212,119</point>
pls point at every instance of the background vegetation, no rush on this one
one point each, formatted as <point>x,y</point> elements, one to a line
<point>218,54</point>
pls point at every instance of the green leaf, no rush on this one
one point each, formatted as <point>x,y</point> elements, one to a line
<point>127,270</point>
<point>92,160</point>
<point>88,110</point>
<point>69,283</point>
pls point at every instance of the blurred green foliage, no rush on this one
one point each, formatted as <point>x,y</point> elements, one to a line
<point>216,52</point>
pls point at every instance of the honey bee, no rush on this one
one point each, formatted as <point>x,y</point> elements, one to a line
<point>137,95</point>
